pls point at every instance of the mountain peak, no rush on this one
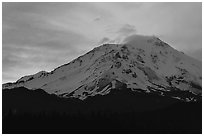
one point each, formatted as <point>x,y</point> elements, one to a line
<point>140,63</point>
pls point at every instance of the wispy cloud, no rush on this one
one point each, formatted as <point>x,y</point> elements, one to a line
<point>104,40</point>
<point>127,29</point>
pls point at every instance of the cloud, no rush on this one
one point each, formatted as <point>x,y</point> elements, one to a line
<point>133,39</point>
<point>119,32</point>
<point>97,19</point>
<point>32,30</point>
<point>104,40</point>
<point>127,29</point>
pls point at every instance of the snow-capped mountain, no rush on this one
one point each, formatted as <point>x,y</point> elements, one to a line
<point>144,63</point>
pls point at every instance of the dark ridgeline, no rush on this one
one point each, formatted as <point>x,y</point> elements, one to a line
<point>120,111</point>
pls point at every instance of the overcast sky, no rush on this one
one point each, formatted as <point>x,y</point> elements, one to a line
<point>43,36</point>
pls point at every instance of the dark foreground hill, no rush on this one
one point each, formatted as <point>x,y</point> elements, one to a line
<point>120,111</point>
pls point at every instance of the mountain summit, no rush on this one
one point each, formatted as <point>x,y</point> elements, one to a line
<point>140,63</point>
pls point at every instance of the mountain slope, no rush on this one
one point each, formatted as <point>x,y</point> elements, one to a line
<point>143,63</point>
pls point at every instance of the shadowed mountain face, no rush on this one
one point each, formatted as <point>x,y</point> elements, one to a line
<point>120,111</point>
<point>141,86</point>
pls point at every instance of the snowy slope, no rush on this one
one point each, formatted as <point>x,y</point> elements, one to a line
<point>142,63</point>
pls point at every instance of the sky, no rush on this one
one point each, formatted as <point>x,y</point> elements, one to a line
<point>43,36</point>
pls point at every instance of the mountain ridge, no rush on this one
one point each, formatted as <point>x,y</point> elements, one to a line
<point>141,62</point>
